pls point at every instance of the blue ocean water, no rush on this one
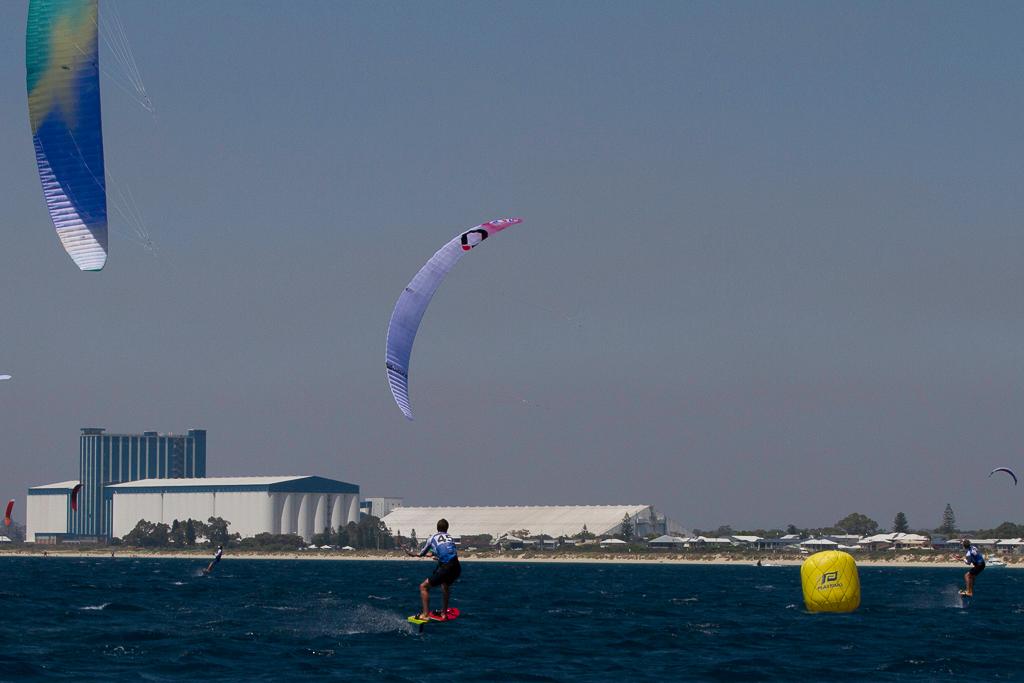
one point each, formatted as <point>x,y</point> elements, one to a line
<point>160,619</point>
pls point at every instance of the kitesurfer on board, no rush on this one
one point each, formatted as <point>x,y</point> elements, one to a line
<point>447,571</point>
<point>216,559</point>
<point>974,558</point>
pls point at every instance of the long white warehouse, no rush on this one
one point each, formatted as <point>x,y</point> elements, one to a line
<point>531,520</point>
<point>49,510</point>
<point>252,505</point>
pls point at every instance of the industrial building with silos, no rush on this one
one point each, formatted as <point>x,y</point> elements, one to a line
<point>162,477</point>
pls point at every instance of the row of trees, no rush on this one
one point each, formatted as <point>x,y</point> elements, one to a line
<point>484,540</point>
<point>862,525</point>
<point>15,532</point>
<point>266,541</point>
<point>626,533</point>
<point>179,534</point>
<point>369,532</point>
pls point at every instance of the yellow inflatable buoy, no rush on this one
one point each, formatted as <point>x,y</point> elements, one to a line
<point>830,582</point>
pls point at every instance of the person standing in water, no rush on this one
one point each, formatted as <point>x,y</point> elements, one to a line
<point>216,559</point>
<point>447,571</point>
<point>976,560</point>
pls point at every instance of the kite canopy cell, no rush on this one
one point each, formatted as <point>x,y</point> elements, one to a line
<point>63,79</point>
<point>413,302</point>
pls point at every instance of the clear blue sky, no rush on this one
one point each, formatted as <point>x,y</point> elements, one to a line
<point>770,271</point>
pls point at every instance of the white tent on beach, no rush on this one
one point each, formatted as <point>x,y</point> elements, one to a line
<point>666,541</point>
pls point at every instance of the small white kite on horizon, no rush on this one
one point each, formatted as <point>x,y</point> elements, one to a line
<point>3,377</point>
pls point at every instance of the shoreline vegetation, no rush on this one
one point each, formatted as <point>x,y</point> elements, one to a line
<point>768,560</point>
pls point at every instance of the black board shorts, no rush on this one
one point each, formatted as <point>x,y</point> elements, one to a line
<point>446,574</point>
<point>976,569</point>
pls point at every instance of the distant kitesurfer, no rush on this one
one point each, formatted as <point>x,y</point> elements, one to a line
<point>974,558</point>
<point>216,559</point>
<point>447,570</point>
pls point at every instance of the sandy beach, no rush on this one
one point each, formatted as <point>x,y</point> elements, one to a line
<point>768,562</point>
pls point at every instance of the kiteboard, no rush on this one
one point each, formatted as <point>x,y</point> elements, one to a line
<point>451,614</point>
<point>965,599</point>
